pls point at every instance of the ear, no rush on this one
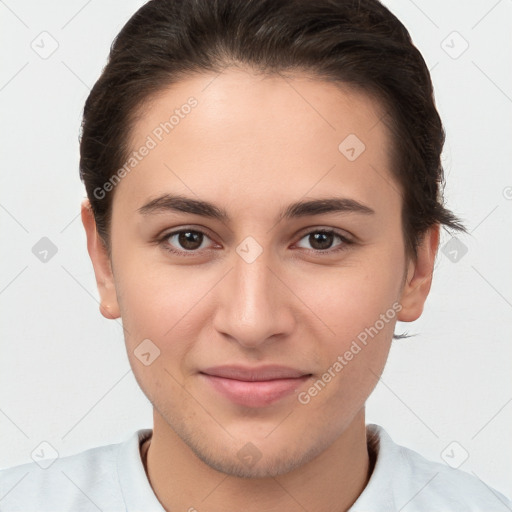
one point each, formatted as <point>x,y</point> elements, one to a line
<point>419,277</point>
<point>98,253</point>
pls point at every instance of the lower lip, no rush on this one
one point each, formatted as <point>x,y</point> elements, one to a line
<point>255,393</point>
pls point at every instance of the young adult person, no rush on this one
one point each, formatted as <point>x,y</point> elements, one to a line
<point>264,203</point>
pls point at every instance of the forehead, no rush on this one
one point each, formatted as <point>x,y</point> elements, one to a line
<point>243,137</point>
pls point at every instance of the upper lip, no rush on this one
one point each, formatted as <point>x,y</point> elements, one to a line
<point>259,373</point>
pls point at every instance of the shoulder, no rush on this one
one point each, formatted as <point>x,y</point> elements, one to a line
<point>87,480</point>
<point>404,480</point>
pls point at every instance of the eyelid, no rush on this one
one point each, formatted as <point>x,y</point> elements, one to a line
<point>345,235</point>
<point>335,250</point>
<point>173,231</point>
<point>162,239</point>
<point>346,239</point>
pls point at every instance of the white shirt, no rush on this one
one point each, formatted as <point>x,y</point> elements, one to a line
<point>112,479</point>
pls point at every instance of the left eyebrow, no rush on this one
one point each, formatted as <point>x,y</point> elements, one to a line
<point>322,206</point>
<point>178,203</point>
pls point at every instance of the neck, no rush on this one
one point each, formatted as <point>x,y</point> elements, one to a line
<point>331,482</point>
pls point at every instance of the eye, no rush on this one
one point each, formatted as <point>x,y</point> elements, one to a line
<point>190,242</point>
<point>184,241</point>
<point>322,240</point>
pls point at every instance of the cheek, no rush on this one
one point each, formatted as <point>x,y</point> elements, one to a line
<point>164,305</point>
<point>361,313</point>
<point>359,305</point>
<point>351,300</point>
<point>159,298</point>
<point>159,319</point>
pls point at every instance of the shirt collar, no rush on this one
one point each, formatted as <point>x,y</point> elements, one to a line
<point>137,492</point>
<point>379,490</point>
<point>139,495</point>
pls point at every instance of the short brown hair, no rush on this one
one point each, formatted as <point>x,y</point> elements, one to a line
<point>359,43</point>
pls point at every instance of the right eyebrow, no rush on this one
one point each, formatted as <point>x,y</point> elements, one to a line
<point>176,203</point>
<point>173,203</point>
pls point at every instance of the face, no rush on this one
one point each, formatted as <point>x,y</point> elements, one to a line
<point>268,291</point>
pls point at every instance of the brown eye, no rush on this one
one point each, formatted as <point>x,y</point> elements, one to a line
<point>190,240</point>
<point>186,240</point>
<point>324,241</point>
<point>321,241</point>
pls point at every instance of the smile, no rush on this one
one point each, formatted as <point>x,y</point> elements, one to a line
<point>254,387</point>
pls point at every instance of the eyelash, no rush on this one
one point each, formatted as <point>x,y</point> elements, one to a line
<point>163,241</point>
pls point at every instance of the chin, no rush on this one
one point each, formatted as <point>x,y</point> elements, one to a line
<point>253,462</point>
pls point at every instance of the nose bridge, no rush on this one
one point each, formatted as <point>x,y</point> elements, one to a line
<point>253,281</point>
<point>252,307</point>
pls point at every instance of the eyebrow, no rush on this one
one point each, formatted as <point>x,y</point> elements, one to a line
<point>177,203</point>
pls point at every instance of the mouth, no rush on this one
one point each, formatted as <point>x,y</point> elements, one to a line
<point>254,387</point>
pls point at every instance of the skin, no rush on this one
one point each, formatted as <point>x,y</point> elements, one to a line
<point>252,146</point>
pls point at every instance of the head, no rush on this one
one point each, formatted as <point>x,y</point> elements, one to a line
<point>264,188</point>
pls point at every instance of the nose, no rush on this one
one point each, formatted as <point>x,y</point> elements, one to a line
<point>255,306</point>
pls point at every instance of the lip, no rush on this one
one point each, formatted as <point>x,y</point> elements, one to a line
<point>254,387</point>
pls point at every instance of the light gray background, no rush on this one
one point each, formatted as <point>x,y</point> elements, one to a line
<point>64,373</point>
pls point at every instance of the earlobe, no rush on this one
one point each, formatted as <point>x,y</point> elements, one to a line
<point>100,259</point>
<point>419,277</point>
